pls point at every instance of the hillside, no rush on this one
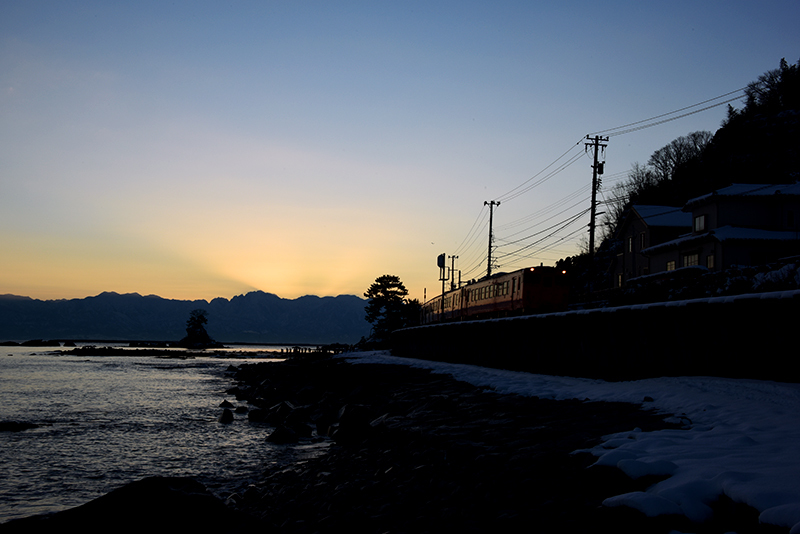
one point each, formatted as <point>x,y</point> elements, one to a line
<point>256,317</point>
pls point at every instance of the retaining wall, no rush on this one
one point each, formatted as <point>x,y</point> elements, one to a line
<point>744,336</point>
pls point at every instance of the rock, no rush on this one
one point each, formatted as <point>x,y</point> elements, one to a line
<point>257,415</point>
<point>225,404</point>
<point>16,426</point>
<point>155,504</point>
<point>226,417</point>
<point>354,423</point>
<point>283,435</point>
<point>278,413</point>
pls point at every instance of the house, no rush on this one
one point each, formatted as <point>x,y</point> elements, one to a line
<point>644,226</point>
<point>743,224</point>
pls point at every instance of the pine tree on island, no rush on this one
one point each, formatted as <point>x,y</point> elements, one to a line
<point>196,335</point>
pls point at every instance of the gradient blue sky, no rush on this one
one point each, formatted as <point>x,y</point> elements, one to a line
<point>204,149</point>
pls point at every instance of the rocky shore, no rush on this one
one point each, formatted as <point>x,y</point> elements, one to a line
<point>417,452</point>
<point>403,451</point>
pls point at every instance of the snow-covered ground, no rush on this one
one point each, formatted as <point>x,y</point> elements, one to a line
<point>740,438</point>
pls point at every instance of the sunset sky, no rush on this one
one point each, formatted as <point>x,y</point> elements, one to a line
<point>195,149</point>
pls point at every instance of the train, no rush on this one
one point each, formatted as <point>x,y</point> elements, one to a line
<point>524,292</point>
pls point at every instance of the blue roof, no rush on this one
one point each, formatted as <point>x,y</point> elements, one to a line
<point>748,190</point>
<point>663,216</point>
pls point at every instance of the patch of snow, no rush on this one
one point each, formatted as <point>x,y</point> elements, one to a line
<point>739,436</point>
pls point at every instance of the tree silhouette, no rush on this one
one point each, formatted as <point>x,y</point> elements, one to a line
<point>388,309</point>
<point>196,335</point>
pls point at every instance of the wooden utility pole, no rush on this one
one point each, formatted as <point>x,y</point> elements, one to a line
<point>597,169</point>
<point>491,205</point>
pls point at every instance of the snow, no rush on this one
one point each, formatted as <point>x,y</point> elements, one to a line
<point>749,190</point>
<point>663,216</point>
<point>738,437</point>
<point>726,233</point>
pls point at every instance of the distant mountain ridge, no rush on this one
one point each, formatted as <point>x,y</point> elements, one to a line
<point>256,317</point>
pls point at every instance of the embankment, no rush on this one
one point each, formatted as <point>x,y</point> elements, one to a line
<point>744,336</point>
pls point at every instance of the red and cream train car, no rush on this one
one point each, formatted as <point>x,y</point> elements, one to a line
<point>524,292</point>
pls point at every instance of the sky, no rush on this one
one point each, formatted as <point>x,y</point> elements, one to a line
<point>196,150</point>
<point>737,438</point>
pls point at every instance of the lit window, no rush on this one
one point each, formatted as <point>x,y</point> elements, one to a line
<point>630,244</point>
<point>671,265</point>
<point>710,261</point>
<point>691,259</point>
<point>699,223</point>
<point>641,241</point>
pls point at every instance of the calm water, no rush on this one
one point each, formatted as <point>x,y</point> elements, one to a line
<point>110,420</point>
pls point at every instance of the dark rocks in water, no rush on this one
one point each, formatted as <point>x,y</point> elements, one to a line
<point>257,415</point>
<point>16,426</point>
<point>225,404</point>
<point>40,343</point>
<point>283,435</point>
<point>226,417</point>
<point>279,413</point>
<point>155,504</point>
<point>240,410</point>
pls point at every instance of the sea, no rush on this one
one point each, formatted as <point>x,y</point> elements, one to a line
<point>105,421</point>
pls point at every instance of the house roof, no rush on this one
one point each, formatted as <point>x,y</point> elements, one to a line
<point>663,215</point>
<point>746,190</point>
<point>726,233</point>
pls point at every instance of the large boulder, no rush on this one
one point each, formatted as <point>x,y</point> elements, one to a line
<point>154,504</point>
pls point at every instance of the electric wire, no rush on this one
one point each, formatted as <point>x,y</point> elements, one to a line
<point>475,225</point>
<point>627,128</point>
<point>511,195</point>
<point>471,238</point>
<point>567,223</point>
<point>506,243</point>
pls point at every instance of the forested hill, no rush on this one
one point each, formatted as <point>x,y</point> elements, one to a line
<point>256,317</point>
<point>755,144</point>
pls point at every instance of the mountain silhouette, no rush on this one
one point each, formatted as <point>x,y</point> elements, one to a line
<point>256,317</point>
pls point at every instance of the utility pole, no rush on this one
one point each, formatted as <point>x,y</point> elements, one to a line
<point>491,205</point>
<point>597,169</point>
<point>440,259</point>
<point>453,272</point>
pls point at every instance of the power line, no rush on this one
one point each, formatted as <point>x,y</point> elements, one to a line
<point>475,226</point>
<point>471,238</point>
<point>567,223</point>
<point>628,128</point>
<point>506,243</point>
<point>514,193</point>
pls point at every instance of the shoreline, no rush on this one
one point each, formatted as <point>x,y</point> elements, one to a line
<point>409,450</point>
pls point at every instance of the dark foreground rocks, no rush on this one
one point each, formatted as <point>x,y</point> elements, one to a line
<point>418,452</point>
<point>156,504</point>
